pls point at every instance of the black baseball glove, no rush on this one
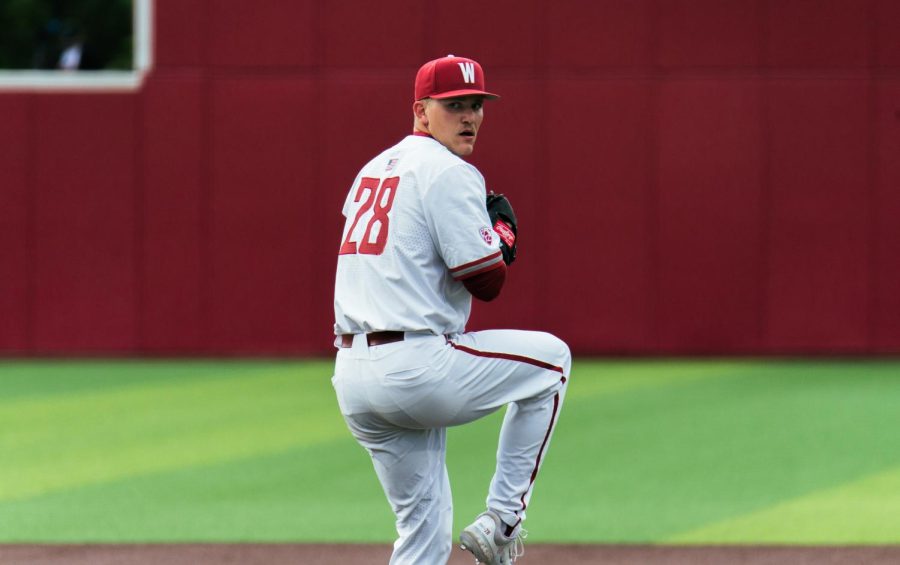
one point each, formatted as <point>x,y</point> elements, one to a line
<point>503,220</point>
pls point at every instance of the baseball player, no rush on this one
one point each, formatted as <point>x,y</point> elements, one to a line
<point>421,238</point>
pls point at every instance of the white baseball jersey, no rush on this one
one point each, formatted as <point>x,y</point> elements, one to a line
<point>416,225</point>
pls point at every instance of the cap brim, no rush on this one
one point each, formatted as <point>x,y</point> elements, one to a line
<point>461,93</point>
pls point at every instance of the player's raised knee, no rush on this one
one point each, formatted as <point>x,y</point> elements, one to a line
<point>561,353</point>
<point>567,356</point>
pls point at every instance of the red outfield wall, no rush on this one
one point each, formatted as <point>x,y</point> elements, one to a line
<point>692,176</point>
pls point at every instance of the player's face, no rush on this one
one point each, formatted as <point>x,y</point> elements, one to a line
<point>454,122</point>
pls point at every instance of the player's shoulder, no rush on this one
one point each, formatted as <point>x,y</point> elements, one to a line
<point>384,161</point>
<point>436,161</point>
<point>423,158</point>
<point>437,155</point>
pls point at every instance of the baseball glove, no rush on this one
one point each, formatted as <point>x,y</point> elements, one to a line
<point>504,222</point>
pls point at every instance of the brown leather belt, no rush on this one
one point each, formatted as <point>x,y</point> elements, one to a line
<point>374,338</point>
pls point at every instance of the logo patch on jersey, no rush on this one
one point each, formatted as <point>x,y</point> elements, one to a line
<point>487,234</point>
<point>391,164</point>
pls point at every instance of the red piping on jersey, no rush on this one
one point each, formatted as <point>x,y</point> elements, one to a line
<point>471,264</point>
<point>422,134</point>
<point>509,357</point>
<point>481,271</point>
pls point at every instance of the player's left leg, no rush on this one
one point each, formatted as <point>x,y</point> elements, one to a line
<point>527,371</point>
<point>517,464</point>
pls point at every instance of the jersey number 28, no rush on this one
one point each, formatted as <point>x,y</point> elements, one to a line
<point>382,198</point>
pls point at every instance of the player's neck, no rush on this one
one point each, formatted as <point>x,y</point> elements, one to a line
<point>421,133</point>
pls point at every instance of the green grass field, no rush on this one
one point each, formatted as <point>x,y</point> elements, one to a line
<point>658,451</point>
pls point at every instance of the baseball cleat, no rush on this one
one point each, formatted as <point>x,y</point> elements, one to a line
<point>485,540</point>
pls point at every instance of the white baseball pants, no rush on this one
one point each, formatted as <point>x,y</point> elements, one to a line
<point>399,398</point>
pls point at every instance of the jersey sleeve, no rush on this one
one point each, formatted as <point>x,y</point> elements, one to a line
<point>459,222</point>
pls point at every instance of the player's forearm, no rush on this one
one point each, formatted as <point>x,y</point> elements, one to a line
<point>486,286</point>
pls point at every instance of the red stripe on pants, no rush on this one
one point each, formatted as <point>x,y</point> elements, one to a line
<point>509,357</point>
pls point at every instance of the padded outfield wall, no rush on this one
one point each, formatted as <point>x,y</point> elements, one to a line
<point>691,176</point>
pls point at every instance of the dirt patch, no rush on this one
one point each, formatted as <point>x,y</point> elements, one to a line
<point>347,554</point>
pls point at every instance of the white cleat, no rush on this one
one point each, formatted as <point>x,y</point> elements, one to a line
<point>485,540</point>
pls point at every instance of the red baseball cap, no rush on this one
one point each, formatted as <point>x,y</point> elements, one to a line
<point>449,77</point>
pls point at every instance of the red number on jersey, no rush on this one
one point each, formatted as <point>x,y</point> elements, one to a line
<point>349,247</point>
<point>382,199</point>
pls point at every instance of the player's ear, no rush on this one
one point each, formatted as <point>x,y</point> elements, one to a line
<point>419,111</point>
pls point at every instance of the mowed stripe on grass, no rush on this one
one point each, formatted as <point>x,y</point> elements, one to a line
<point>641,465</point>
<point>127,428</point>
<point>866,511</point>
<point>646,451</point>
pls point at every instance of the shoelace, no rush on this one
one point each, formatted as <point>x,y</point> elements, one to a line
<point>517,546</point>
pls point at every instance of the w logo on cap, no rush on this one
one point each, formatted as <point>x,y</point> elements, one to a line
<point>450,77</point>
<point>468,71</point>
